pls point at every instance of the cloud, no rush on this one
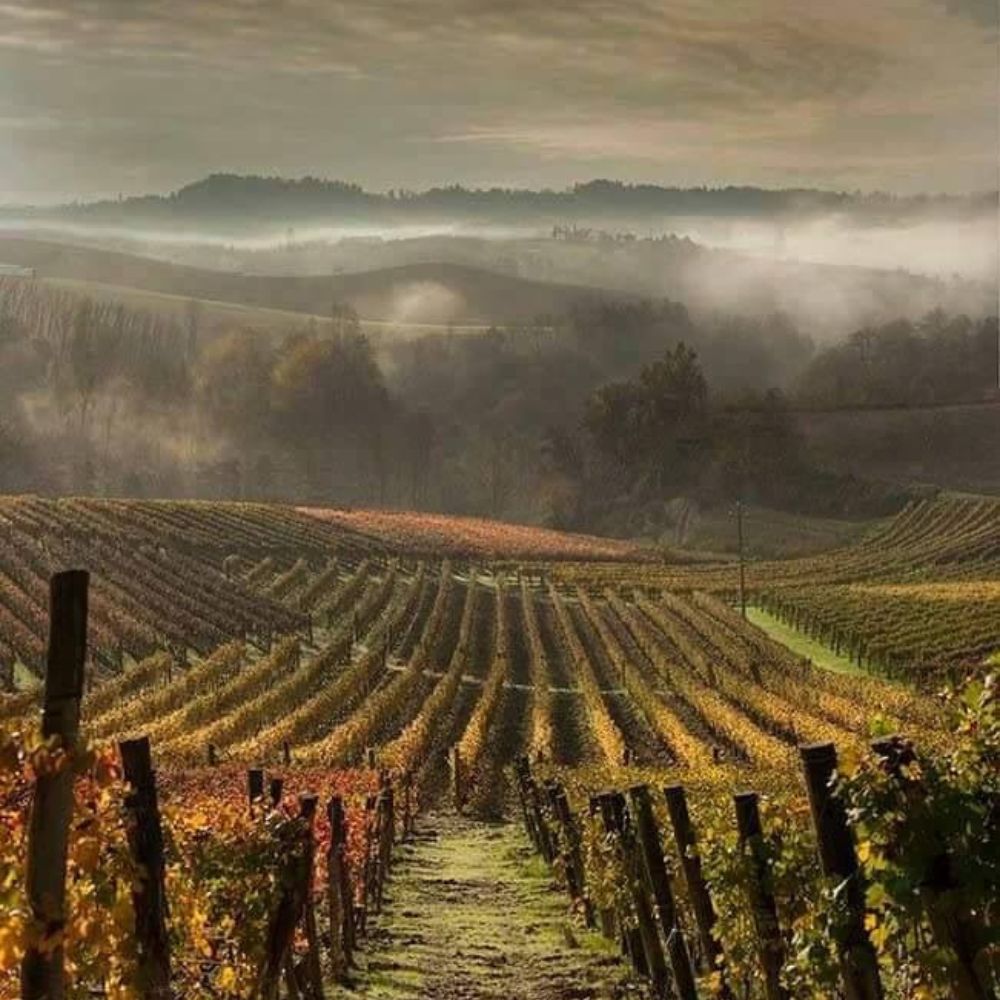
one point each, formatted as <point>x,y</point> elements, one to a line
<point>534,90</point>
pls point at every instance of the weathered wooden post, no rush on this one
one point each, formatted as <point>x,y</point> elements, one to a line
<point>658,884</point>
<point>52,807</point>
<point>457,784</point>
<point>858,962</point>
<point>307,811</point>
<point>694,880</point>
<point>255,786</point>
<point>213,758</point>
<point>339,897</point>
<point>648,937</point>
<point>407,805</point>
<point>286,917</point>
<point>149,897</point>
<point>573,857</point>
<point>275,791</point>
<point>286,753</point>
<point>604,913</point>
<point>764,909</point>
<point>953,927</point>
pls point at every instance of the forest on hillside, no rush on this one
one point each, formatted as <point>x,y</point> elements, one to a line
<point>593,420</point>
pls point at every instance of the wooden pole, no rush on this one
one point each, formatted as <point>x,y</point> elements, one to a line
<point>52,807</point>
<point>255,786</point>
<point>694,880</point>
<point>284,920</point>
<point>573,856</point>
<point>771,948</point>
<point>858,962</point>
<point>339,900</point>
<point>605,914</point>
<point>314,974</point>
<point>275,791</point>
<point>149,897</point>
<point>658,884</point>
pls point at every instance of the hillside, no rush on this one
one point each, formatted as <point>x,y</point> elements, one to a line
<point>425,293</point>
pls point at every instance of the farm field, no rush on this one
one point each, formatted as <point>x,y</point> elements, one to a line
<point>390,671</point>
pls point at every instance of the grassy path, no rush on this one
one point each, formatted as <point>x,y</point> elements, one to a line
<point>471,913</point>
<point>802,644</point>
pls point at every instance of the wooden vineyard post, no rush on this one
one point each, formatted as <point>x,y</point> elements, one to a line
<point>457,790</point>
<point>694,879</point>
<point>340,899</point>
<point>643,941</point>
<point>255,786</point>
<point>287,915</point>
<point>149,897</point>
<point>858,962</point>
<point>275,791</point>
<point>52,808</point>
<point>658,884</point>
<point>771,948</point>
<point>538,818</point>
<point>213,758</point>
<point>605,914</point>
<point>522,772</point>
<point>307,811</point>
<point>951,924</point>
<point>573,857</point>
<point>407,823</point>
<point>286,753</point>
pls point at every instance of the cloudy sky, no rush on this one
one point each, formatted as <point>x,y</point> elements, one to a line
<point>99,97</point>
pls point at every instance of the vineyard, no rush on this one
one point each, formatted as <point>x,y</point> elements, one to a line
<point>249,711</point>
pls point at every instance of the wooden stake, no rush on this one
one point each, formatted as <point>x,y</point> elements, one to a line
<point>697,888</point>
<point>149,899</point>
<point>307,810</point>
<point>858,962</point>
<point>658,884</point>
<point>771,948</point>
<point>52,807</point>
<point>339,898</point>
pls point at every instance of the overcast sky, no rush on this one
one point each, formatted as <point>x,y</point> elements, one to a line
<point>99,97</point>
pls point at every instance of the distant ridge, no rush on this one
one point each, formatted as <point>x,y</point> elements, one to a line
<point>247,201</point>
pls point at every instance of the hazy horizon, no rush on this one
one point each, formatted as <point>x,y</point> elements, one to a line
<point>101,98</point>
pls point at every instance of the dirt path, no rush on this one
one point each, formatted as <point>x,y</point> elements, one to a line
<point>471,914</point>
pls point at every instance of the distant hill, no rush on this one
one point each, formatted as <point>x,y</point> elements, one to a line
<point>248,203</point>
<point>423,293</point>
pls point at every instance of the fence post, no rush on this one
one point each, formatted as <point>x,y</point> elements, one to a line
<point>575,875</point>
<point>255,786</point>
<point>658,884</point>
<point>149,900</point>
<point>286,917</point>
<point>212,756</point>
<point>643,940</point>
<point>457,779</point>
<point>694,879</point>
<point>286,752</point>
<point>761,897</point>
<point>605,914</point>
<point>52,808</point>
<point>339,898</point>
<point>858,962</point>
<point>275,791</point>
<point>307,811</point>
<point>951,925</point>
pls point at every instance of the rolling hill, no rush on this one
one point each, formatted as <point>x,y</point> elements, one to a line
<point>423,293</point>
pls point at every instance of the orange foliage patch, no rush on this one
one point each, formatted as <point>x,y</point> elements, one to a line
<point>446,535</point>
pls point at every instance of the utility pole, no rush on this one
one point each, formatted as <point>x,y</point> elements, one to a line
<point>743,579</point>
